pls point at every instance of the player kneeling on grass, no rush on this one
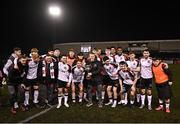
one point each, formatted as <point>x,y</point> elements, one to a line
<point>15,79</point>
<point>163,81</point>
<point>77,81</point>
<point>111,70</point>
<point>127,82</point>
<point>64,81</point>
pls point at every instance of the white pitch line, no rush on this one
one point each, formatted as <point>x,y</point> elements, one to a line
<point>36,115</point>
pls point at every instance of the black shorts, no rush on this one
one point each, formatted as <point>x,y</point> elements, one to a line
<point>126,87</point>
<point>146,83</point>
<point>61,84</point>
<point>31,82</point>
<point>77,84</point>
<point>138,84</point>
<point>85,83</point>
<point>164,91</point>
<point>113,83</point>
<point>106,79</point>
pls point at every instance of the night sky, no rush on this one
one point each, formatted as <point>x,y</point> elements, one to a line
<point>26,23</point>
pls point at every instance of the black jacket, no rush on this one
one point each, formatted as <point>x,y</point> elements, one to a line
<point>16,76</point>
<point>96,68</point>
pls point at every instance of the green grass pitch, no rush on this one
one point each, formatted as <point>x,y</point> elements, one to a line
<point>77,113</point>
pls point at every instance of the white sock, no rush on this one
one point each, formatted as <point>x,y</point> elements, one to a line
<point>142,99</point>
<point>167,105</point>
<point>36,94</point>
<point>80,99</point>
<point>149,97</point>
<point>65,98</point>
<point>16,105</point>
<point>85,94</point>
<point>122,101</point>
<point>97,95</point>
<point>110,100</point>
<point>73,98</point>
<point>115,101</point>
<point>60,96</point>
<point>103,94</point>
<point>132,101</point>
<point>160,102</point>
<point>26,101</point>
<point>138,97</point>
<point>125,97</point>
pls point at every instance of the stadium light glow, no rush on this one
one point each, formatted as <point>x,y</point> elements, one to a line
<point>55,11</point>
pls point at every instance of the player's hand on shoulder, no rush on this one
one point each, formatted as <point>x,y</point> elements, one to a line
<point>165,66</point>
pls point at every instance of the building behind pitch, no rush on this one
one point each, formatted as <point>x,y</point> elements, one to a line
<point>169,49</point>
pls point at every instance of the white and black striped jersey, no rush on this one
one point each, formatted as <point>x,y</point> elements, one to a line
<point>32,71</point>
<point>64,72</point>
<point>133,64</point>
<point>77,74</point>
<point>119,58</point>
<point>111,69</point>
<point>146,68</point>
<point>127,77</point>
<point>111,59</point>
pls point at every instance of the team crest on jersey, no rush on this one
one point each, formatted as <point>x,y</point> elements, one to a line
<point>65,67</point>
<point>148,61</point>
